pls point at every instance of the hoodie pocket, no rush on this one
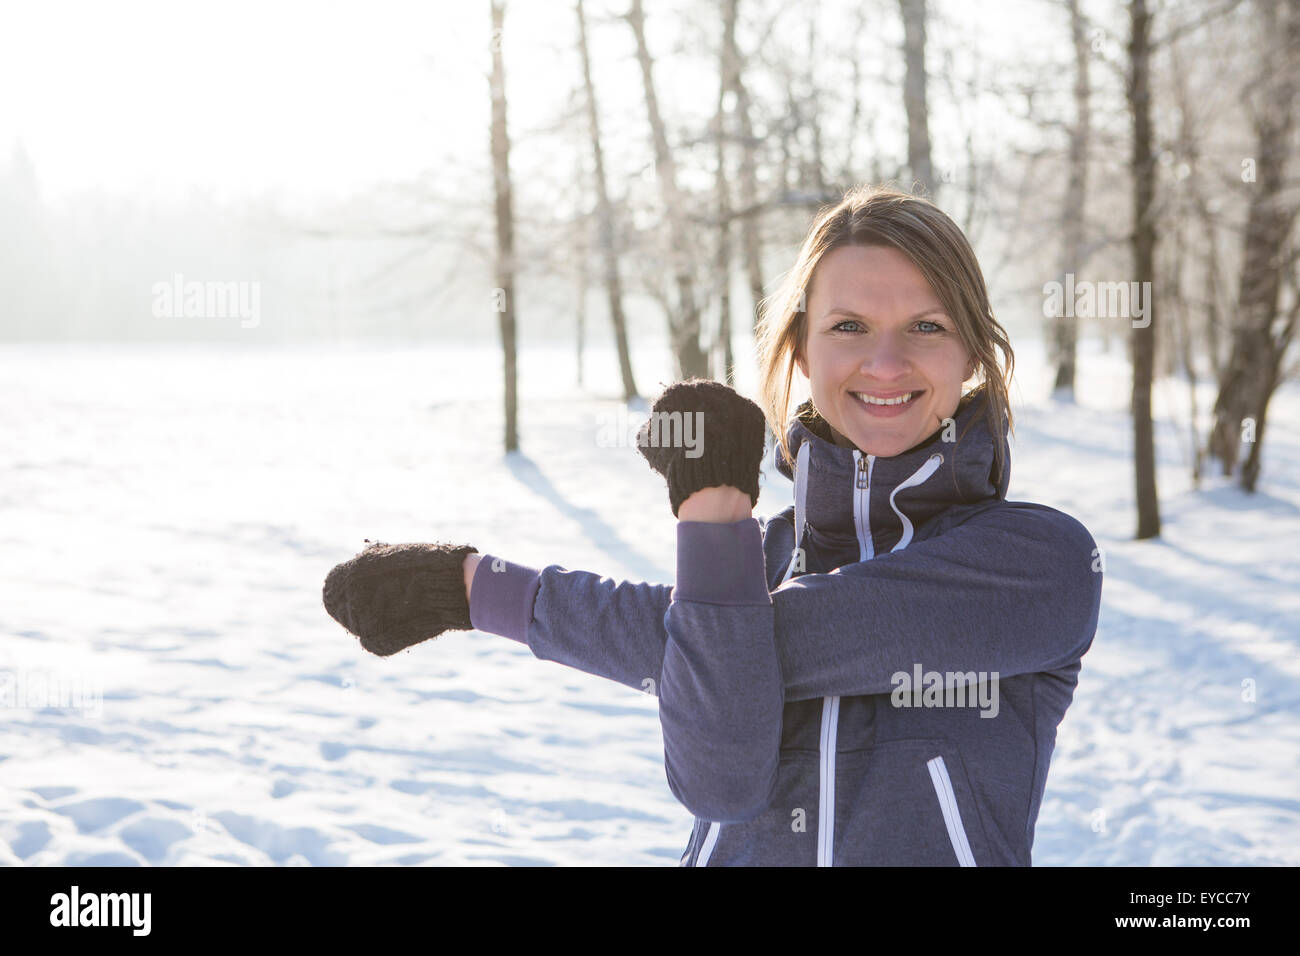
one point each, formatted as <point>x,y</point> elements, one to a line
<point>785,834</point>
<point>907,802</point>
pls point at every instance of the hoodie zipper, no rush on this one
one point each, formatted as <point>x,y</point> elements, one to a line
<point>831,705</point>
<point>861,505</point>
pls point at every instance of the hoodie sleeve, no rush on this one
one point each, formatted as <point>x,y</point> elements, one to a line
<point>590,622</point>
<point>720,696</point>
<point>1015,589</point>
<point>705,648</point>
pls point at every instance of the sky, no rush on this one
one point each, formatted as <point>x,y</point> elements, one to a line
<point>321,97</point>
<point>240,95</point>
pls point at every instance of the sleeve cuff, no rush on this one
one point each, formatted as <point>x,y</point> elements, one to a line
<point>720,563</point>
<point>501,597</point>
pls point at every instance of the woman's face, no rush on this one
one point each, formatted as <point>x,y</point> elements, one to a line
<point>876,330</point>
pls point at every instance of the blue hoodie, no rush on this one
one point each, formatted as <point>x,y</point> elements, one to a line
<point>887,693</point>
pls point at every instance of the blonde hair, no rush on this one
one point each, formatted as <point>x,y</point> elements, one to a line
<point>883,216</point>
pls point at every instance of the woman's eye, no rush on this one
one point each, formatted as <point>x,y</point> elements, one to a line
<point>839,325</point>
<point>936,327</point>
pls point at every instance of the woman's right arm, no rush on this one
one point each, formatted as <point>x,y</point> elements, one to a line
<point>593,623</point>
<point>1013,590</point>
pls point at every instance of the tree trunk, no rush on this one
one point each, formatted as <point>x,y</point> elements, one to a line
<point>814,176</point>
<point>1182,310</point>
<point>1274,376</point>
<point>583,251</point>
<point>1144,242</point>
<point>605,215</point>
<point>726,71</point>
<point>914,98</point>
<point>750,240</point>
<point>684,320</point>
<point>505,223</point>
<point>1251,374</point>
<point>1065,328</point>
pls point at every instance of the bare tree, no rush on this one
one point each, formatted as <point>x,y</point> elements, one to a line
<point>1144,243</point>
<point>505,227</point>
<point>1182,324</point>
<point>1193,292</point>
<point>914,97</point>
<point>582,280</point>
<point>750,238</point>
<point>722,263</point>
<point>684,314</point>
<point>1254,366</point>
<point>1065,329</point>
<point>814,173</point>
<point>605,217</point>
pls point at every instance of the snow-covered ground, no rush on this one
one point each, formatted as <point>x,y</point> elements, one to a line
<point>168,514</point>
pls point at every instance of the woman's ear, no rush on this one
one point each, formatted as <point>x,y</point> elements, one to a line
<point>799,360</point>
<point>970,370</point>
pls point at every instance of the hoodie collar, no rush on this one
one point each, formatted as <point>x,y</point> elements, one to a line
<point>854,506</point>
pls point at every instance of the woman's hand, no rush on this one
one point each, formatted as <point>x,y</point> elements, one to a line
<point>704,435</point>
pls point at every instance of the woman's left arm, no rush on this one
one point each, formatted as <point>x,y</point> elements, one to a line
<point>1014,590</point>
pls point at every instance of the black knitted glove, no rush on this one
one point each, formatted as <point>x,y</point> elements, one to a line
<point>395,595</point>
<point>729,445</point>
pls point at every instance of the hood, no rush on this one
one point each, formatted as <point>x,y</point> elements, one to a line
<point>853,506</point>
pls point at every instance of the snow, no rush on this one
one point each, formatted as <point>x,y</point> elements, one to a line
<point>178,696</point>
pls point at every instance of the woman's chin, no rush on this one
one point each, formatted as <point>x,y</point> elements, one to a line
<point>879,450</point>
<point>887,437</point>
<point>887,446</point>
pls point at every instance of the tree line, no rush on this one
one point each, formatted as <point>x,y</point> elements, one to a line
<point>1199,139</point>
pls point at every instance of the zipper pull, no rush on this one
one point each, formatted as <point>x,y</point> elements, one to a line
<point>862,472</point>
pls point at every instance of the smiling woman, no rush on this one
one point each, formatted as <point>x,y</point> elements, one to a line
<point>783,657</point>
<point>887,315</point>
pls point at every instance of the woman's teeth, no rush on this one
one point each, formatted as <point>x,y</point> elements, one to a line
<point>884,401</point>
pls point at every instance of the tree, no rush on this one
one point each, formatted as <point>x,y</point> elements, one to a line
<point>914,97</point>
<point>684,314</point>
<point>1143,170</point>
<point>1065,329</point>
<point>727,68</point>
<point>505,228</point>
<point>605,217</point>
<point>749,220</point>
<point>1261,334</point>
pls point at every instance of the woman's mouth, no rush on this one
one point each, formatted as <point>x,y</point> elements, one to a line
<point>887,404</point>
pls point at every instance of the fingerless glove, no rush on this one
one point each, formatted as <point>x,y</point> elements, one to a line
<point>394,595</point>
<point>727,439</point>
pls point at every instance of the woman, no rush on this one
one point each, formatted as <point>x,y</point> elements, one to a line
<point>875,675</point>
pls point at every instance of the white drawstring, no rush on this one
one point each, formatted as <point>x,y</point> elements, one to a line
<point>801,500</point>
<point>921,474</point>
<point>800,503</point>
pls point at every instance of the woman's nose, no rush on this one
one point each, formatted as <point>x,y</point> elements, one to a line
<point>885,360</point>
